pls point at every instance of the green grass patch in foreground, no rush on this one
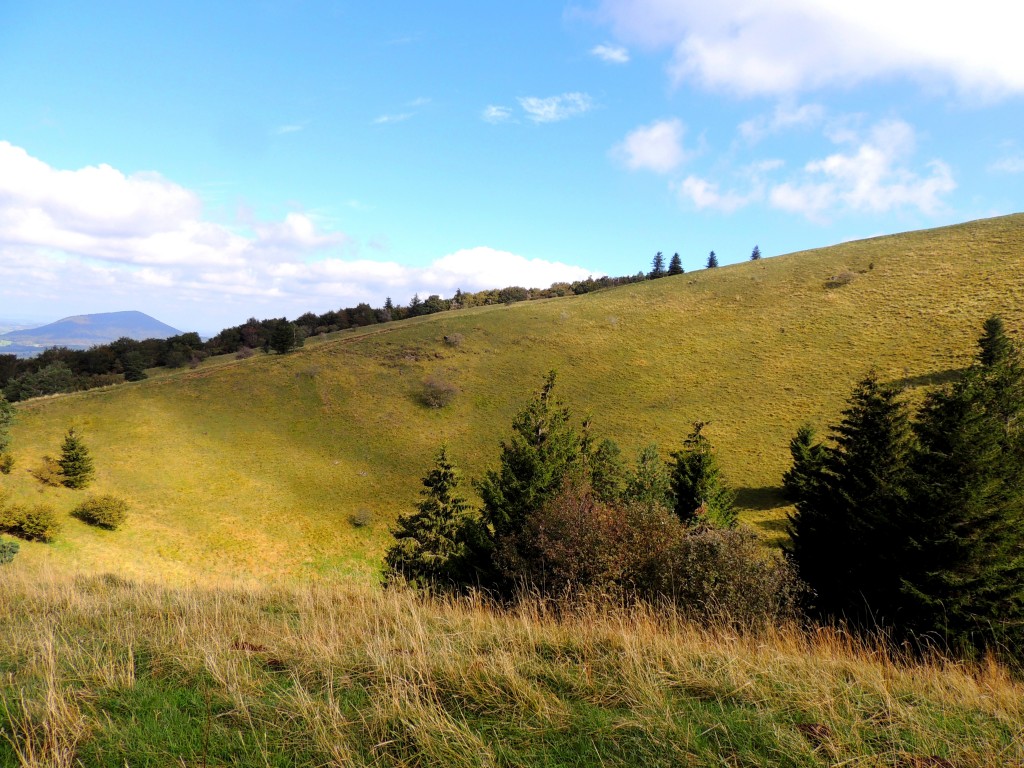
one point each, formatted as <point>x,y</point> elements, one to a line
<point>104,672</point>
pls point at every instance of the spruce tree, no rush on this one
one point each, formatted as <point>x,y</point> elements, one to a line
<point>850,526</point>
<point>964,578</point>
<point>608,476</point>
<point>755,255</point>
<point>649,484</point>
<point>543,449</point>
<point>675,266</point>
<point>808,458</point>
<point>657,267</point>
<point>712,261</point>
<point>430,548</point>
<point>699,491</point>
<point>75,462</point>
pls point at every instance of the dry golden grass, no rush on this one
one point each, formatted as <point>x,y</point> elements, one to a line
<point>100,671</point>
<point>255,466</point>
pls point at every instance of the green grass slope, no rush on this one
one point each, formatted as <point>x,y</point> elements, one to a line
<point>254,467</point>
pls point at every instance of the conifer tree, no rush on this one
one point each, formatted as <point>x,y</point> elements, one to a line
<point>808,458</point>
<point>430,548</point>
<point>649,484</point>
<point>699,490</point>
<point>755,255</point>
<point>850,525</point>
<point>75,462</point>
<point>657,267</point>
<point>6,419</point>
<point>543,449</point>
<point>712,261</point>
<point>964,577</point>
<point>608,476</point>
<point>675,266</point>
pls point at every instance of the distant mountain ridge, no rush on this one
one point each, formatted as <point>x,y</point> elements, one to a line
<point>83,331</point>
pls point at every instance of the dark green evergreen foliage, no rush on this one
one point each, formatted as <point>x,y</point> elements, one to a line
<point>285,337</point>
<point>6,420</point>
<point>964,575</point>
<point>75,462</point>
<point>699,492</point>
<point>649,484</point>
<point>849,530</point>
<point>657,267</point>
<point>431,544</point>
<point>755,255</point>
<point>103,511</point>
<point>712,261</point>
<point>134,366</point>
<point>543,449</point>
<point>675,267</point>
<point>608,474</point>
<point>8,549</point>
<point>808,458</point>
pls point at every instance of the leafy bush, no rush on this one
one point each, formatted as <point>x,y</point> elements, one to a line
<point>244,353</point>
<point>438,392</point>
<point>6,463</point>
<point>8,549</point>
<point>838,281</point>
<point>36,523</point>
<point>453,340</point>
<point>48,472</point>
<point>103,511</point>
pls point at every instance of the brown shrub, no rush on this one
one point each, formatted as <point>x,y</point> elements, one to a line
<point>438,392</point>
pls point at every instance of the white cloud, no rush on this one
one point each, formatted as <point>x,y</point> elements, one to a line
<point>656,147</point>
<point>786,46</point>
<point>1008,164</point>
<point>94,239</point>
<point>496,114</point>
<point>613,54</point>
<point>555,108</point>
<point>385,119</point>
<point>872,177</point>
<point>785,117</point>
<point>706,195</point>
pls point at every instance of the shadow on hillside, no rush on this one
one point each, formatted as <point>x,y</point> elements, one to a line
<point>931,379</point>
<point>768,497</point>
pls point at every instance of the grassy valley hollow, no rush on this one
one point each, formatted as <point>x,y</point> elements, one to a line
<point>241,603</point>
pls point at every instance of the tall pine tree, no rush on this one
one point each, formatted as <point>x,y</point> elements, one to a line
<point>849,529</point>
<point>699,491</point>
<point>712,261</point>
<point>675,266</point>
<point>964,575</point>
<point>657,267</point>
<point>430,548</point>
<point>755,255</point>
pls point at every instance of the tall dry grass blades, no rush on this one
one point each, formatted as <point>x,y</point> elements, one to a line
<point>104,672</point>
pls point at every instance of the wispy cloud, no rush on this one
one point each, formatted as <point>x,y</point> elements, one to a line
<point>285,129</point>
<point>556,108</point>
<point>613,54</point>
<point>1008,164</point>
<point>785,116</point>
<point>385,119</point>
<point>496,114</point>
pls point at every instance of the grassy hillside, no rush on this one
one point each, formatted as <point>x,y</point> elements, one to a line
<point>98,671</point>
<point>255,466</point>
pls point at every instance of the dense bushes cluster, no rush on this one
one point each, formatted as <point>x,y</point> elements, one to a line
<point>38,522</point>
<point>103,511</point>
<point>562,515</point>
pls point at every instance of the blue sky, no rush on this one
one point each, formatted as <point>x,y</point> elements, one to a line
<point>206,162</point>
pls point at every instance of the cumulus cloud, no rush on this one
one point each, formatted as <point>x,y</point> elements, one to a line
<point>786,46</point>
<point>613,54</point>
<point>93,239</point>
<point>656,147</point>
<point>872,176</point>
<point>555,108</point>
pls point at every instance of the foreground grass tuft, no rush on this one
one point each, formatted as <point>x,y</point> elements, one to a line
<point>100,671</point>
